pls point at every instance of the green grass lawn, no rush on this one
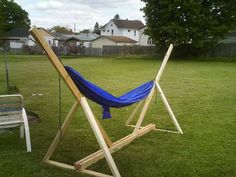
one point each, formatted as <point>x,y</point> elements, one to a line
<point>202,95</point>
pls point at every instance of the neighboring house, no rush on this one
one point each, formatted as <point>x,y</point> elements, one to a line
<point>133,29</point>
<point>118,27</point>
<point>49,37</point>
<point>112,40</point>
<point>86,38</point>
<point>144,39</point>
<point>230,38</point>
<point>19,37</point>
<point>81,39</point>
<point>16,38</point>
<point>65,43</point>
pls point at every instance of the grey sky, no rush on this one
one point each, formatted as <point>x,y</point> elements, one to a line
<point>83,13</point>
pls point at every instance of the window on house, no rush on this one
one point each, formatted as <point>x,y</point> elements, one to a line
<point>112,32</point>
<point>104,30</point>
<point>134,32</point>
<point>108,30</point>
<point>128,30</point>
<point>149,41</point>
<point>111,24</point>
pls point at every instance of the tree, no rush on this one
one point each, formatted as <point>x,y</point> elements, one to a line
<point>96,29</point>
<point>85,31</point>
<point>199,24</point>
<point>11,16</point>
<point>117,17</point>
<point>61,29</point>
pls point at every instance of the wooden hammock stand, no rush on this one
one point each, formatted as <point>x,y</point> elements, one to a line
<point>106,145</point>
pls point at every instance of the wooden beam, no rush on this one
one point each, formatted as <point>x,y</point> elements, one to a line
<point>64,126</point>
<point>71,167</point>
<point>55,62</point>
<point>164,62</point>
<point>133,113</point>
<point>158,129</point>
<point>94,173</point>
<point>168,108</point>
<point>144,110</point>
<point>104,134</point>
<point>104,149</point>
<point>93,158</point>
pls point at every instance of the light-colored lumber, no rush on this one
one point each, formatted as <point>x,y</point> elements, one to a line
<point>93,158</point>
<point>104,134</point>
<point>163,130</point>
<point>144,110</point>
<point>104,149</point>
<point>133,113</point>
<point>157,129</point>
<point>61,132</point>
<point>94,173</point>
<point>55,62</point>
<point>168,108</point>
<point>59,164</point>
<point>164,62</point>
<point>71,167</point>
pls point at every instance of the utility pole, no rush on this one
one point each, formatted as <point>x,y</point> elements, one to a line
<point>74,27</point>
<point>6,64</point>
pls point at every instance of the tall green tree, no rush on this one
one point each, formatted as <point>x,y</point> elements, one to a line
<point>62,29</point>
<point>11,16</point>
<point>96,29</point>
<point>199,24</point>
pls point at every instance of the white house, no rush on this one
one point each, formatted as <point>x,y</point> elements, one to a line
<point>118,27</point>
<point>133,29</point>
<point>144,39</point>
<point>112,40</point>
<point>19,37</point>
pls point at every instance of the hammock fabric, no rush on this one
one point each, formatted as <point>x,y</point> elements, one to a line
<point>107,100</point>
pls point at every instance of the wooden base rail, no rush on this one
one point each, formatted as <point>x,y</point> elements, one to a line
<point>93,158</point>
<point>84,163</point>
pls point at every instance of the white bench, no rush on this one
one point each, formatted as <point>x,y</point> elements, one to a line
<point>12,114</point>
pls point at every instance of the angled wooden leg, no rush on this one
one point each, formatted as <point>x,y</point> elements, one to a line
<point>144,110</point>
<point>172,116</point>
<point>99,137</point>
<point>64,126</point>
<point>104,134</point>
<point>133,113</point>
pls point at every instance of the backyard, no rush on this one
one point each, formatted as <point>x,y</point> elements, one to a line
<point>201,93</point>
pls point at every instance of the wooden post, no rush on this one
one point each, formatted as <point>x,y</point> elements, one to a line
<point>99,137</point>
<point>64,126</point>
<point>144,110</point>
<point>172,116</point>
<point>163,64</point>
<point>56,62</point>
<point>133,113</point>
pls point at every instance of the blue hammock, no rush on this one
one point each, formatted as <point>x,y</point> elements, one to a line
<point>107,100</point>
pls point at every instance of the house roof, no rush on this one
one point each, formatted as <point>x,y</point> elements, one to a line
<point>18,32</point>
<point>130,24</point>
<point>79,37</point>
<point>230,38</point>
<point>118,39</point>
<point>46,32</point>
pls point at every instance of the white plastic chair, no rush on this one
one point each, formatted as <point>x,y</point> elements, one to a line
<point>13,114</point>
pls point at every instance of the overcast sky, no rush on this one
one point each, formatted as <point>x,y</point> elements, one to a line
<point>83,13</point>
